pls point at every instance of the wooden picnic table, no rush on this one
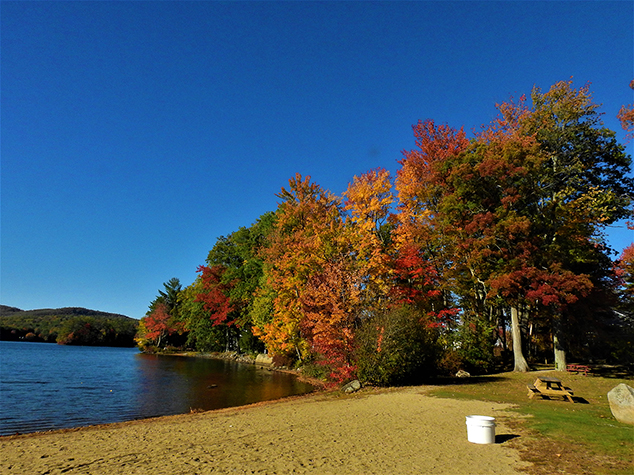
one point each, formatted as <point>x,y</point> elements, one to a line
<point>578,368</point>
<point>548,387</point>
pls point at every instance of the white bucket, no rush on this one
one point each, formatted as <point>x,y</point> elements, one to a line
<point>481,429</point>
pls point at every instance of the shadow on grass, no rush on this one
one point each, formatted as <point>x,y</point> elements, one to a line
<point>580,400</point>
<point>612,371</point>
<point>448,381</point>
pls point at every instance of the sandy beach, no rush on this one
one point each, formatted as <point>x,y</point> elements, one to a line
<point>399,431</point>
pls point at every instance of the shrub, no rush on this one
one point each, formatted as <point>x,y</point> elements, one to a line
<point>473,345</point>
<point>316,371</point>
<point>451,362</point>
<point>395,346</point>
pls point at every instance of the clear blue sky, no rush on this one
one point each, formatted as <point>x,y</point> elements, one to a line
<point>134,134</point>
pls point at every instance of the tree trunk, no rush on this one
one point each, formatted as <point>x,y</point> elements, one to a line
<point>520,362</point>
<point>560,352</point>
<point>227,339</point>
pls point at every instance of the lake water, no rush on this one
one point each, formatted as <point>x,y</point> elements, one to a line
<point>45,386</point>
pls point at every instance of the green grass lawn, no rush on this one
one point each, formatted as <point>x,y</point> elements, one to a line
<point>577,438</point>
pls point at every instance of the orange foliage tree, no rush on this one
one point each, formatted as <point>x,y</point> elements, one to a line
<point>307,235</point>
<point>626,116</point>
<point>368,203</point>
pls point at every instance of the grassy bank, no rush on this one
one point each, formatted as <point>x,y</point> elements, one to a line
<point>558,436</point>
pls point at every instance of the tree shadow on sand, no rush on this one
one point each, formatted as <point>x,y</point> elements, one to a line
<point>501,438</point>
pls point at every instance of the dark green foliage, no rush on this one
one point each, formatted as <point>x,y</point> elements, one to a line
<point>170,296</point>
<point>6,310</point>
<point>249,343</point>
<point>239,254</point>
<point>472,343</point>
<point>395,346</point>
<point>205,336</point>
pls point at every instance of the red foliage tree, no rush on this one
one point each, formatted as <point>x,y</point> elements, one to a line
<point>214,295</point>
<point>330,302</point>
<point>160,324</point>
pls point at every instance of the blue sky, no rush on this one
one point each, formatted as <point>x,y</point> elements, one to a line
<point>135,133</point>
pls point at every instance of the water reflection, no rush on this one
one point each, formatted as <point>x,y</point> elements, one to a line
<point>176,384</point>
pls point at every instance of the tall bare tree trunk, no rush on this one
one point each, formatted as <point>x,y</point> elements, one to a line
<point>560,351</point>
<point>520,362</point>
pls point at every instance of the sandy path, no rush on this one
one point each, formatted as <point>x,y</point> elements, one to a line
<point>394,432</point>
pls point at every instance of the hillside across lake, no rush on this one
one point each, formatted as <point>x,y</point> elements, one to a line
<point>67,326</point>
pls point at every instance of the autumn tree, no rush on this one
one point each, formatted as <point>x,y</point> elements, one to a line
<point>202,334</point>
<point>626,116</point>
<point>214,296</point>
<point>425,256</point>
<point>437,257</point>
<point>330,307</point>
<point>517,213</point>
<point>162,323</point>
<point>585,185</point>
<point>477,215</point>
<point>159,325</point>
<point>368,203</point>
<point>307,235</point>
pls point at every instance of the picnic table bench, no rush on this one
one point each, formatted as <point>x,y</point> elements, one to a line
<point>549,387</point>
<point>578,368</point>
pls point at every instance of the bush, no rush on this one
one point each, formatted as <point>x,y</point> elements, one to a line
<point>316,371</point>
<point>473,346</point>
<point>451,362</point>
<point>395,346</point>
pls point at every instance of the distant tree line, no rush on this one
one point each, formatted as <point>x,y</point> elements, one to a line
<point>482,252</point>
<point>70,326</point>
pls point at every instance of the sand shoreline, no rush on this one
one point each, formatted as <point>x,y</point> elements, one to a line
<point>396,431</point>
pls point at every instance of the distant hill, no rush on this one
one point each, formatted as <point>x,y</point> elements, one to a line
<point>6,311</point>
<point>67,326</point>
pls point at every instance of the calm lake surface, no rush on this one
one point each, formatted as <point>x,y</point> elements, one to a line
<point>45,386</point>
